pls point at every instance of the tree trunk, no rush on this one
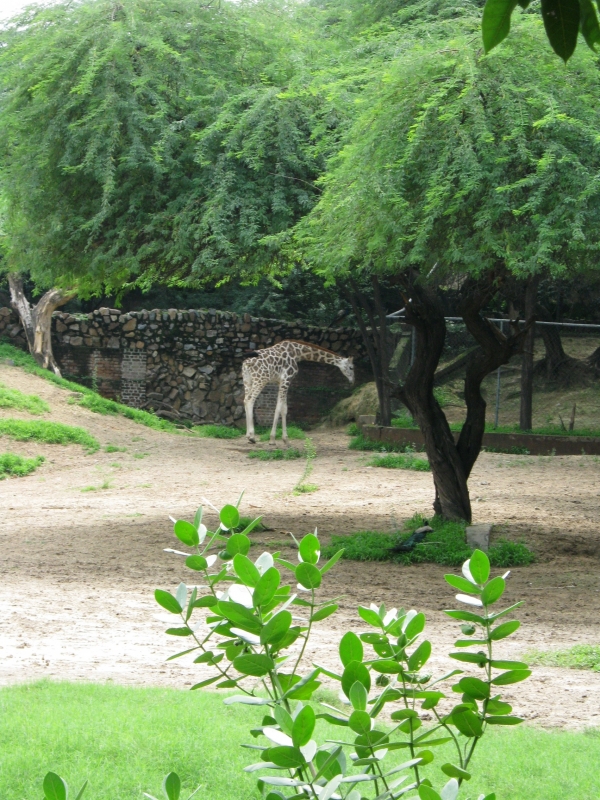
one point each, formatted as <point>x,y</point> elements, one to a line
<point>555,355</point>
<point>526,410</point>
<point>37,320</point>
<point>425,313</point>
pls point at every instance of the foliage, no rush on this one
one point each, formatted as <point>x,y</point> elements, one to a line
<point>310,452</point>
<point>275,455</point>
<point>48,432</point>
<point>293,432</point>
<point>580,656</point>
<point>401,461</point>
<point>16,466</point>
<point>13,398</point>
<point>446,544</point>
<point>250,630</point>
<point>362,442</point>
<point>217,431</point>
<point>353,429</point>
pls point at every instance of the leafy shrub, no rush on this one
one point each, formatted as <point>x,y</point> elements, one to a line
<point>275,455</point>
<point>49,432</point>
<point>580,656</point>
<point>13,398</point>
<point>361,442</point>
<point>510,554</point>
<point>353,429</point>
<point>392,461</point>
<point>13,465</point>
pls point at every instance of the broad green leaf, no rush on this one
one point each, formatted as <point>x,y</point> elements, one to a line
<point>589,23</point>
<point>475,688</point>
<point>428,793</point>
<point>183,653</point>
<point>493,591</point>
<point>209,601</point>
<point>453,771</point>
<point>415,626</point>
<point>308,576</point>
<point>495,23</point>
<point>426,757</point>
<point>288,757</point>
<point>404,713</point>
<point>508,664</point>
<point>462,584</point>
<point>54,787</point>
<point>304,692</point>
<point>229,517</point>
<point>355,671</point>
<point>504,720</point>
<point>276,628</point>
<point>198,518</point>
<point>324,612</point>
<point>512,676</point>
<point>179,631</point>
<point>364,743</point>
<point>284,720</point>
<point>205,658</point>
<point>333,560</point>
<point>81,791</point>
<point>420,657</point>
<point>240,616</point>
<point>360,721</point>
<point>266,586</point>
<point>467,722</point>
<point>504,630</point>
<point>186,533</point>
<point>238,543</point>
<point>358,696</point>
<point>470,658</point>
<point>351,648</point>
<point>498,707</point>
<point>561,20</point>
<point>466,616</point>
<point>168,602</point>
<point>387,667</point>
<point>303,727</point>
<point>410,725</point>
<point>328,764</point>
<point>255,664</point>
<point>309,548</point>
<point>207,682</point>
<point>245,570</point>
<point>197,563</point>
<point>479,566</point>
<point>181,595</point>
<point>172,786</point>
<point>370,617</point>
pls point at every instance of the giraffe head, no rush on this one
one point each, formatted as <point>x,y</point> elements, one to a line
<point>346,365</point>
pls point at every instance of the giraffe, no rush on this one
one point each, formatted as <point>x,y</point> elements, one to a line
<point>279,364</point>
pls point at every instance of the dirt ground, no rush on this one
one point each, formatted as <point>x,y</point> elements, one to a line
<point>80,567</point>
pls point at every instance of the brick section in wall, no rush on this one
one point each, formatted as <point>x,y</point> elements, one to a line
<point>133,378</point>
<point>264,408</point>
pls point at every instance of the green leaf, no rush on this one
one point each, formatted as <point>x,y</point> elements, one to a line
<point>426,757</point>
<point>308,576</point>
<point>276,628</point>
<point>358,696</point>
<point>288,757</point>
<point>209,601</point>
<point>81,791</point>
<point>229,517</point>
<point>360,721</point>
<point>186,533</point>
<point>309,548</point>
<point>207,682</point>
<point>479,566</point>
<point>255,664</point>
<point>179,631</point>
<point>427,793</point>
<point>240,616</point>
<point>420,656</point>
<point>410,725</point>
<point>493,591</point>
<point>504,630</point>
<point>504,720</point>
<point>198,518</point>
<point>238,543</point>
<point>495,23</point>
<point>266,586</point>
<point>283,719</point>
<point>455,772</point>
<point>475,688</point>
<point>462,584</point>
<point>246,571</point>
<point>512,676</point>
<point>467,722</point>
<point>466,616</point>
<point>470,658</point>
<point>498,707</point>
<point>497,664</point>
<point>355,671</point>
<point>351,648</point>
<point>168,602</point>
<point>333,560</point>
<point>172,786</point>
<point>404,713</point>
<point>415,626</point>
<point>370,617</point>
<point>196,562</point>
<point>387,667</point>
<point>324,612</point>
<point>561,20</point>
<point>303,727</point>
<point>589,23</point>
<point>54,787</point>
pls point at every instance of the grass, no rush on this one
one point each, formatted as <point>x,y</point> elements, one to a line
<point>15,466</point>
<point>112,448</point>
<point>275,455</point>
<point>360,442</point>
<point>48,432</point>
<point>401,461</point>
<point>580,656</point>
<point>124,740</point>
<point>353,429</point>
<point>89,399</point>
<point>306,488</point>
<point>217,432</point>
<point>13,398</point>
<point>105,485</point>
<point>405,421</point>
<point>293,432</point>
<point>446,544</point>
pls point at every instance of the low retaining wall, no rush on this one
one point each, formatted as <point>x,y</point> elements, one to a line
<point>188,364</point>
<point>537,444</point>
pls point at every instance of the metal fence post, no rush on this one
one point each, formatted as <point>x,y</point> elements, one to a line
<point>498,381</point>
<point>413,346</point>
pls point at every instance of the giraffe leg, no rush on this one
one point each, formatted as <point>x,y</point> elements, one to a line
<point>284,407</point>
<point>249,406</point>
<point>278,407</point>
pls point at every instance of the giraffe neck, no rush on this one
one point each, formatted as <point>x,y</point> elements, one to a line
<point>304,352</point>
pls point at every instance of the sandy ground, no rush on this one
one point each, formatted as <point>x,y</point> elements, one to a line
<point>80,567</point>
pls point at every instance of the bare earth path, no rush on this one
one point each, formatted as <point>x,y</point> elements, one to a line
<point>79,568</point>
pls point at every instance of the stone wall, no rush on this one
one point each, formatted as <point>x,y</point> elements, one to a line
<point>187,364</point>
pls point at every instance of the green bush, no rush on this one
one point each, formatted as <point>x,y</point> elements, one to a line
<point>13,465</point>
<point>48,432</point>
<point>353,429</point>
<point>400,461</point>
<point>13,398</point>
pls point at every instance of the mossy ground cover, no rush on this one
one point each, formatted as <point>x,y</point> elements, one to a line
<point>124,740</point>
<point>580,656</point>
<point>275,455</point>
<point>446,544</point>
<point>16,466</point>
<point>47,432</point>
<point>13,398</point>
<point>401,461</point>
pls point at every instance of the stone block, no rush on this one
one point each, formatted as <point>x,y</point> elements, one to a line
<point>130,325</point>
<point>478,536</point>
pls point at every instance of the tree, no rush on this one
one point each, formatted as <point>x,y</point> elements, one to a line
<point>461,172</point>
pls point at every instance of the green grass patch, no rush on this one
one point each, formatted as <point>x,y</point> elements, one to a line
<point>13,398</point>
<point>361,442</point>
<point>90,399</point>
<point>401,461</point>
<point>275,455</point>
<point>446,544</point>
<point>293,432</point>
<point>48,432</point>
<point>15,466</point>
<point>404,421</point>
<point>124,740</point>
<point>353,429</point>
<point>580,656</point>
<point>217,432</point>
<point>306,488</point>
<point>112,448</point>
